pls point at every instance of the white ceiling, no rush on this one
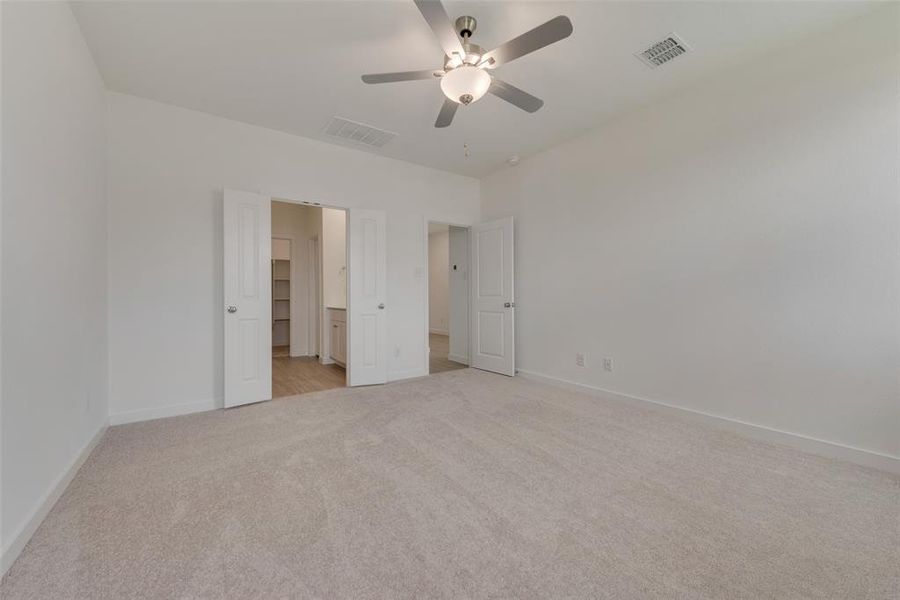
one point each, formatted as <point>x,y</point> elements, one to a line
<point>290,66</point>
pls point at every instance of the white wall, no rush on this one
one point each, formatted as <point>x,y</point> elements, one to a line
<point>167,169</point>
<point>735,249</point>
<point>459,294</point>
<point>54,260</point>
<point>439,282</point>
<point>334,257</point>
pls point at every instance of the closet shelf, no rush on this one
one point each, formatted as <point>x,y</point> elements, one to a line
<point>281,292</point>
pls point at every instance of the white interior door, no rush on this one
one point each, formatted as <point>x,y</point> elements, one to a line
<point>493,301</point>
<point>248,298</point>
<point>366,312</point>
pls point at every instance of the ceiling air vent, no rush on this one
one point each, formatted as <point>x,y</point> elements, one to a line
<point>663,51</point>
<point>358,133</point>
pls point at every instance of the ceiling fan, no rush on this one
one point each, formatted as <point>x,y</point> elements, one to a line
<point>466,75</point>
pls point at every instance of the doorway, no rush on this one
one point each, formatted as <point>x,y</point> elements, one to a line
<point>448,297</point>
<point>247,295</point>
<point>309,298</point>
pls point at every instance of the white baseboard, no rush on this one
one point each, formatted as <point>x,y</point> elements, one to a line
<point>20,539</point>
<point>439,331</point>
<point>173,410</point>
<point>458,358</point>
<point>866,458</point>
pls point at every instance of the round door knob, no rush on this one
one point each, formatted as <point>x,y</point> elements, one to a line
<point>381,306</point>
<point>232,309</point>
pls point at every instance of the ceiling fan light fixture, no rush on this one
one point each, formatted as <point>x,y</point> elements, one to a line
<point>465,84</point>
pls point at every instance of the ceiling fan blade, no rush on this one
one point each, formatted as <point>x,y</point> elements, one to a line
<point>399,76</point>
<point>515,96</point>
<point>552,31</point>
<point>445,117</point>
<point>440,24</point>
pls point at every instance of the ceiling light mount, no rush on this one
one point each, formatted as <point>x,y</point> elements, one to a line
<point>465,26</point>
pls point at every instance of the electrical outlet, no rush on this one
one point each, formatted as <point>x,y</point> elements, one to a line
<point>397,352</point>
<point>607,364</point>
<point>579,360</point>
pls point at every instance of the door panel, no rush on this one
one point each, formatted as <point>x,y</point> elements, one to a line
<point>366,298</point>
<point>490,340</point>
<point>247,298</point>
<point>493,301</point>
<point>490,263</point>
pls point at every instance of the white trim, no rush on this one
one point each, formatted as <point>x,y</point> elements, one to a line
<point>312,295</point>
<point>12,551</point>
<point>458,358</point>
<point>439,332</point>
<point>407,373</point>
<point>866,458</point>
<point>172,410</point>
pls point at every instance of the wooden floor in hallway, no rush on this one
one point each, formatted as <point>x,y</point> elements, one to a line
<point>300,375</point>
<point>440,350</point>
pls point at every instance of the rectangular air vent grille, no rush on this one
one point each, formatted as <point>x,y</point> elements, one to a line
<point>358,133</point>
<point>663,51</point>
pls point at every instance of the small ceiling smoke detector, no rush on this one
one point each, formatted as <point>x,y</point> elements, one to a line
<point>663,51</point>
<point>513,160</point>
<point>358,133</point>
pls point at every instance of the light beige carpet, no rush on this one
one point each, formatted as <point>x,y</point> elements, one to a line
<point>460,485</point>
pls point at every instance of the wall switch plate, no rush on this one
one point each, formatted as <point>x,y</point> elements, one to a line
<point>607,364</point>
<point>579,360</point>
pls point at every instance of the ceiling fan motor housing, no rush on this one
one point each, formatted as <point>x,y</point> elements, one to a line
<point>474,52</point>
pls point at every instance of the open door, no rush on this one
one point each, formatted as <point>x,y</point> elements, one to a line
<point>366,297</point>
<point>248,298</point>
<point>493,302</point>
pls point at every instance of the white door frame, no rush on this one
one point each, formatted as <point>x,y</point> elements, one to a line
<point>312,296</point>
<point>427,352</point>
